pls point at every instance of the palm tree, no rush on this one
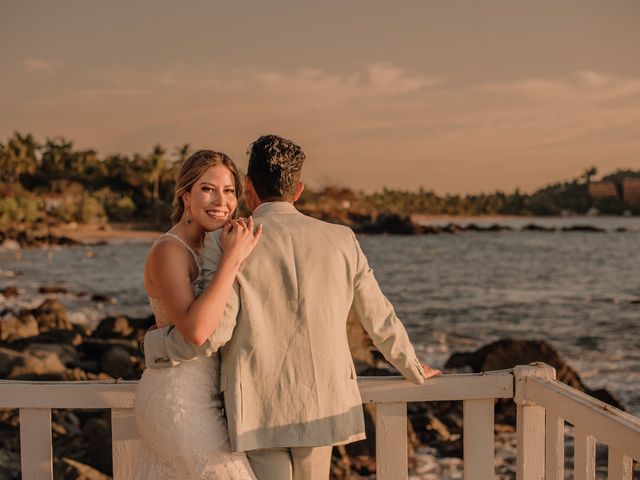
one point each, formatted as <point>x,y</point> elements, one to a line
<point>157,163</point>
<point>18,157</point>
<point>182,153</point>
<point>588,174</point>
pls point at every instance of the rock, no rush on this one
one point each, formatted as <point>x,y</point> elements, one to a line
<point>508,353</point>
<point>9,465</point>
<point>53,289</point>
<point>453,228</point>
<point>584,228</point>
<point>67,469</point>
<point>9,245</point>
<point>537,228</point>
<point>9,359</point>
<point>52,315</point>
<point>97,297</point>
<point>392,224</point>
<point>65,352</point>
<point>118,363</point>
<point>97,347</point>
<point>499,228</point>
<point>13,328</point>
<point>110,327</point>
<point>38,365</point>
<point>9,292</point>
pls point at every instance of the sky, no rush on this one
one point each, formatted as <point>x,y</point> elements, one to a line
<point>456,97</point>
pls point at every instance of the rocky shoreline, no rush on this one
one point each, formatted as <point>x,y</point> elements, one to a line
<point>18,236</point>
<point>43,344</point>
<point>394,224</point>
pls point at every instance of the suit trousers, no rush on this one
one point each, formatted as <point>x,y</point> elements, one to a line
<point>292,463</point>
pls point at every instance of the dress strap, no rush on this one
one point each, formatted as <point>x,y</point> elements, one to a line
<point>196,257</point>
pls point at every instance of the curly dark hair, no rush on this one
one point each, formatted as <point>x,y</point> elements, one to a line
<point>275,165</point>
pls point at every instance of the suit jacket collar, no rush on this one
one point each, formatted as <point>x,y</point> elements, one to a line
<point>274,208</point>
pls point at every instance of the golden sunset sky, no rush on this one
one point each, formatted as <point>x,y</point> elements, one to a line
<point>462,96</point>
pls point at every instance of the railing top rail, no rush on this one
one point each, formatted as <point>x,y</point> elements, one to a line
<point>613,426</point>
<point>470,386</point>
<point>120,394</point>
<point>582,398</point>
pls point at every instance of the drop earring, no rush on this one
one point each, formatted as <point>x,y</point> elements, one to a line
<point>187,220</point>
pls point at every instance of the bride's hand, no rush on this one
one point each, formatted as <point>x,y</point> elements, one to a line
<point>238,239</point>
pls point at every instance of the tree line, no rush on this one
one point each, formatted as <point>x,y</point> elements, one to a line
<point>58,182</point>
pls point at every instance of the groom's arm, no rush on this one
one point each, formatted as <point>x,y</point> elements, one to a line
<point>380,321</point>
<point>166,347</point>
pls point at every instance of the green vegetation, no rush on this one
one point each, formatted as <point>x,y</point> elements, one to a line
<point>55,181</point>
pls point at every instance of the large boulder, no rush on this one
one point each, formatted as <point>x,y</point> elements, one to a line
<point>118,363</point>
<point>114,327</point>
<point>65,352</point>
<point>9,359</point>
<point>52,314</point>
<point>38,364</point>
<point>507,353</point>
<point>393,224</point>
<point>9,292</point>
<point>13,328</point>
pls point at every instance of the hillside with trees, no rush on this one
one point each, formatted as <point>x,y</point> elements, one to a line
<point>56,182</point>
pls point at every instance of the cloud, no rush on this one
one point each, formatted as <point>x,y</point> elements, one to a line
<point>375,125</point>
<point>34,65</point>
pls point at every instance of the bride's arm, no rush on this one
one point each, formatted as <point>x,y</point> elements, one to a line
<point>197,318</point>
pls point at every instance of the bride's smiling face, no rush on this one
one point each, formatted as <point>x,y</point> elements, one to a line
<point>212,198</point>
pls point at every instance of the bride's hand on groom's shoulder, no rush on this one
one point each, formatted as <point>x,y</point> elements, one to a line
<point>239,238</point>
<point>430,372</point>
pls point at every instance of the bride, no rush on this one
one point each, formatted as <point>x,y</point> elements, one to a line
<point>178,410</point>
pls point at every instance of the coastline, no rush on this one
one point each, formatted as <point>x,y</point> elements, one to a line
<point>111,233</point>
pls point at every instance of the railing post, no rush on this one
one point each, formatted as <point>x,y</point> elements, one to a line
<point>391,441</point>
<point>530,464</point>
<point>126,442</point>
<point>620,467</point>
<point>584,455</point>
<point>35,444</point>
<point>478,439</point>
<point>554,448</point>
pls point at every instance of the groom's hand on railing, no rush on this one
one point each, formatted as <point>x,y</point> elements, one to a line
<point>430,372</point>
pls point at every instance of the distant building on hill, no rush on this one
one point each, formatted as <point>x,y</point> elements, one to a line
<point>600,190</point>
<point>631,191</point>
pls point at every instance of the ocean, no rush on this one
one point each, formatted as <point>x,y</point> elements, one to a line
<point>578,291</point>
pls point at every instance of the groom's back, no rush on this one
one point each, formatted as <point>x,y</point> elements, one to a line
<point>288,361</point>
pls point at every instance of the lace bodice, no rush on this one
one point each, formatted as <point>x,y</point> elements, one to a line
<point>157,306</point>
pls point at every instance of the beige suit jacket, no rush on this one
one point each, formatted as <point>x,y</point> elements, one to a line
<point>286,372</point>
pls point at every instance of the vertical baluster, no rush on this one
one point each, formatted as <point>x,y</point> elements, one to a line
<point>584,456</point>
<point>391,441</point>
<point>620,466</point>
<point>126,442</point>
<point>36,449</point>
<point>554,461</point>
<point>478,439</point>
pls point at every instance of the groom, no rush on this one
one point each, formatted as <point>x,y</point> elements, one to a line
<point>288,379</point>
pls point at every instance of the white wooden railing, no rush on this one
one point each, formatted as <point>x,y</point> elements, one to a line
<point>543,406</point>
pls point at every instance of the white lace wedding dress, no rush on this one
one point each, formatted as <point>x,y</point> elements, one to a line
<point>179,416</point>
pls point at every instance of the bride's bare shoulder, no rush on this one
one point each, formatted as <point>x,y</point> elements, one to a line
<point>166,249</point>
